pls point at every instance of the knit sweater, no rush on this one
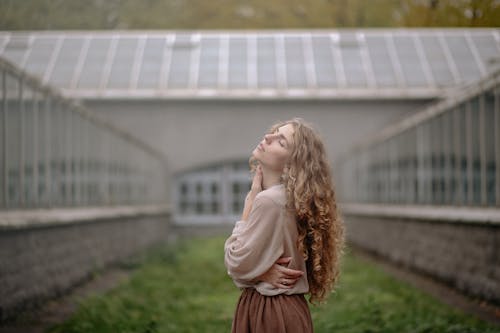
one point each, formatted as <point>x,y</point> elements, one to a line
<point>270,232</point>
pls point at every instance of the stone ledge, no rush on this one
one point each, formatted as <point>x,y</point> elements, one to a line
<point>474,215</point>
<point>23,219</point>
<point>446,294</point>
<point>461,255</point>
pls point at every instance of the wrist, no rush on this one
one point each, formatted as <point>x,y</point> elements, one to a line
<point>252,194</point>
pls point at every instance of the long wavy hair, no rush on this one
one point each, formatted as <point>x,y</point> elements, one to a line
<point>310,197</point>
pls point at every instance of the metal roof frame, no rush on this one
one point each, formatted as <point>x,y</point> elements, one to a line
<point>342,89</point>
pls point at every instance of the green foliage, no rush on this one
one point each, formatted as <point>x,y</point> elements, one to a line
<point>449,13</point>
<point>186,289</point>
<point>249,14</point>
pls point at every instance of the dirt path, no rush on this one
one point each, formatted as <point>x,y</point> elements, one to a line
<point>58,310</point>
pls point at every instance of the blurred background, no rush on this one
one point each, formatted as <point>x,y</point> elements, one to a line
<point>256,14</point>
<point>126,122</point>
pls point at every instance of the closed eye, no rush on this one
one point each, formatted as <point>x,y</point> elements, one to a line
<point>282,136</point>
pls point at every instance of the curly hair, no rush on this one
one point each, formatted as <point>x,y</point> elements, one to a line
<point>310,197</point>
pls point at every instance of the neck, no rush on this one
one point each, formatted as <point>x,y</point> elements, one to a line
<point>270,178</point>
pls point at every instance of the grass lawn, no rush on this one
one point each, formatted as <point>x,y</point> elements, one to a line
<point>185,288</point>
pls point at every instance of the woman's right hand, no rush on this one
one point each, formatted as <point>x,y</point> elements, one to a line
<point>280,276</point>
<point>254,190</point>
<point>257,181</point>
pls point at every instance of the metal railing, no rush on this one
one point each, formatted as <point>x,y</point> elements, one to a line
<point>55,153</point>
<point>448,154</point>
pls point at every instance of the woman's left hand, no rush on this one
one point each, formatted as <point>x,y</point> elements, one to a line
<point>280,276</point>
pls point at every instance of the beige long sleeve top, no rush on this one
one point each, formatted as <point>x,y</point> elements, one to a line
<point>269,233</point>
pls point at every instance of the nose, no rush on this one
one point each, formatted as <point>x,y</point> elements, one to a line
<point>268,137</point>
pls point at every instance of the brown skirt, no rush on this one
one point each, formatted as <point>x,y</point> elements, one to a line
<point>256,313</point>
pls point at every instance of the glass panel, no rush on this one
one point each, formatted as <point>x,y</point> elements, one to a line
<point>237,63</point>
<point>476,157</point>
<point>199,198</point>
<point>76,158</point>
<point>43,135</point>
<point>323,60</point>
<point>91,194</point>
<point>90,77</point>
<point>375,180</point>
<point>464,60</point>
<point>491,145</point>
<point>419,163</point>
<point>464,189</point>
<point>266,62</point>
<point>295,63</point>
<point>412,165</point>
<point>350,55</point>
<point>239,192</point>
<point>353,66</point>
<point>215,205</point>
<point>152,61</point>
<point>386,162</point>
<point>379,56</point>
<point>410,63</point>
<point>41,53</point>
<point>57,154</point>
<point>28,118</point>
<point>463,57</point>
<point>180,62</point>
<point>3,129</point>
<point>427,163</point>
<point>183,197</point>
<point>14,142</point>
<point>437,60</point>
<point>71,150</point>
<point>16,48</point>
<point>437,160</point>
<point>392,164</point>
<point>454,137</point>
<point>209,63</point>
<point>447,150</point>
<point>487,48</point>
<point>66,62</point>
<point>123,63</point>
<point>404,176</point>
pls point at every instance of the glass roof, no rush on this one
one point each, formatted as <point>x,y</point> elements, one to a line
<point>397,63</point>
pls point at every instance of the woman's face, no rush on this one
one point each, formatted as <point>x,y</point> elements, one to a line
<point>273,151</point>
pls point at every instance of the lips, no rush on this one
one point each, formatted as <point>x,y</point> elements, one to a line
<point>261,147</point>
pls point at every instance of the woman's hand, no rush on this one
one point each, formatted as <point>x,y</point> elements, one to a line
<point>257,181</point>
<point>280,276</point>
<point>254,190</point>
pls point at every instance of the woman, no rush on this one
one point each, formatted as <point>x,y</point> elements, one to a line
<point>290,218</point>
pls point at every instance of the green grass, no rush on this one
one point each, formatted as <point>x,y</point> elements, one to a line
<point>185,288</point>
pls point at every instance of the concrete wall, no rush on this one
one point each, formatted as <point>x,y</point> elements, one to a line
<point>464,255</point>
<point>40,261</point>
<point>195,133</point>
